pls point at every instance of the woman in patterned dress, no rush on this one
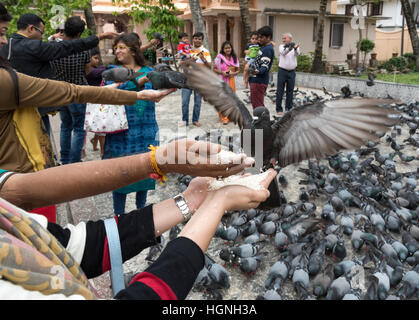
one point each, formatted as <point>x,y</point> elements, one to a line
<point>141,117</point>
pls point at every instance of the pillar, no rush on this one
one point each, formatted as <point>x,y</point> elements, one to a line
<point>189,29</point>
<point>222,22</point>
<point>236,33</point>
<point>209,26</point>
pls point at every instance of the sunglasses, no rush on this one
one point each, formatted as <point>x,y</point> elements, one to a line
<point>120,47</point>
<point>40,31</point>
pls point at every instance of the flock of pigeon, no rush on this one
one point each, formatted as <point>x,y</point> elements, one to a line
<point>352,232</point>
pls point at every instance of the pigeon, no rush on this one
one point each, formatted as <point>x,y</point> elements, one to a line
<point>167,80</point>
<point>278,273</point>
<point>217,272</point>
<point>305,132</point>
<point>155,250</point>
<point>410,284</point>
<point>322,281</point>
<point>250,264</point>
<point>346,91</point>
<point>247,250</point>
<point>338,288</point>
<point>371,78</point>
<point>121,75</point>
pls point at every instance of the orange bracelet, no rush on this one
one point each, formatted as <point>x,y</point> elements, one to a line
<point>158,175</point>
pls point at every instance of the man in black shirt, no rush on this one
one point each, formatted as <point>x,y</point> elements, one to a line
<point>28,54</point>
<point>72,69</point>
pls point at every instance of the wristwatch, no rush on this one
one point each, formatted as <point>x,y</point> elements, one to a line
<point>183,206</point>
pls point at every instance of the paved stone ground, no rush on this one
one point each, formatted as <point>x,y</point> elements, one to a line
<point>168,113</point>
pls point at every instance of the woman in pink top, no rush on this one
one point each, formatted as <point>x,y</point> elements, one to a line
<point>226,64</point>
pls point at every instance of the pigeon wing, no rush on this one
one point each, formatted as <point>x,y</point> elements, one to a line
<point>217,93</point>
<point>313,131</point>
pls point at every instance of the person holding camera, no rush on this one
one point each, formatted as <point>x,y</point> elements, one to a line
<point>288,52</point>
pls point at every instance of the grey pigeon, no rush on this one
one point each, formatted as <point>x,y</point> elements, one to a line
<point>120,75</point>
<point>247,250</point>
<point>371,78</point>
<point>167,80</point>
<point>338,288</point>
<point>217,272</point>
<point>310,131</point>
<point>278,270</point>
<point>410,284</point>
<point>322,281</point>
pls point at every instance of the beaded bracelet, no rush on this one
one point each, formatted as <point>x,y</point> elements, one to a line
<point>157,174</point>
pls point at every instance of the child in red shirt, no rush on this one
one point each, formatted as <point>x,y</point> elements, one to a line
<point>184,47</point>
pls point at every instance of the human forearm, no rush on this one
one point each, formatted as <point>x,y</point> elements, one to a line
<point>166,214</point>
<point>203,224</point>
<point>74,181</point>
<point>35,92</point>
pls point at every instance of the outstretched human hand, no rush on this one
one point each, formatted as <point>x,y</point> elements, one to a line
<point>236,197</point>
<point>197,158</point>
<point>153,95</point>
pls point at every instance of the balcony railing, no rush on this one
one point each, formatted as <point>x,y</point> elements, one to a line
<point>211,3</point>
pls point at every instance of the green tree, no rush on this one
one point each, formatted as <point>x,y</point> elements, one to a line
<point>366,46</point>
<point>53,12</point>
<point>161,16</point>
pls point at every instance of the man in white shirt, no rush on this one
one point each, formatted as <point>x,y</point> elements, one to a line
<point>288,52</point>
<point>202,56</point>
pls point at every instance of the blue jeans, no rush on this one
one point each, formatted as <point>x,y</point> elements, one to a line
<point>72,121</point>
<point>285,78</point>
<point>47,124</point>
<point>119,200</point>
<point>186,96</point>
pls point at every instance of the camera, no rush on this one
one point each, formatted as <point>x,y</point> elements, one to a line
<point>290,45</point>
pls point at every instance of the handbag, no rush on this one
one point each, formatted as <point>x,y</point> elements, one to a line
<point>105,118</point>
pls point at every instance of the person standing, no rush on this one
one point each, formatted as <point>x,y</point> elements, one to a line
<point>94,72</point>
<point>142,123</point>
<point>28,54</point>
<point>28,147</point>
<point>251,52</point>
<point>259,77</point>
<point>227,64</point>
<point>72,69</point>
<point>202,56</point>
<point>288,53</point>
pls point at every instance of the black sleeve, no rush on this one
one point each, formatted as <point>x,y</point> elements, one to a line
<point>171,277</point>
<point>136,232</point>
<point>47,51</point>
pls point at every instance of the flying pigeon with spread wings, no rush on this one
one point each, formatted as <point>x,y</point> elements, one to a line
<point>308,131</point>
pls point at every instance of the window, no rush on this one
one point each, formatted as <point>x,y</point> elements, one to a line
<point>315,29</point>
<point>348,10</point>
<point>375,9</point>
<point>336,34</point>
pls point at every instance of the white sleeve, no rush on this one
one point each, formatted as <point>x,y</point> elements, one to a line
<point>77,241</point>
